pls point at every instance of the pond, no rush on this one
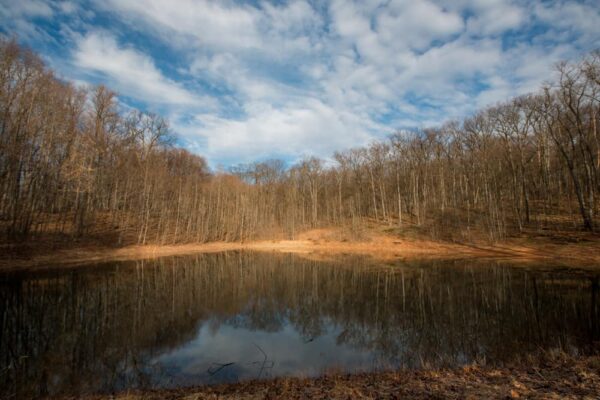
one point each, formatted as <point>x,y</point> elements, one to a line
<point>232,316</point>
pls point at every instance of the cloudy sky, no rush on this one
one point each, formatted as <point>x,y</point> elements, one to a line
<point>242,81</point>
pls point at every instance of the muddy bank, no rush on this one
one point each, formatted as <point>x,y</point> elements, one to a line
<point>550,377</point>
<point>323,244</point>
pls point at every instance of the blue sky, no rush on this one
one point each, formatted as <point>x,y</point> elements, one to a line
<point>242,81</point>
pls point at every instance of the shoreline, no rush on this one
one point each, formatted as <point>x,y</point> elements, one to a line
<point>319,245</point>
<point>550,376</point>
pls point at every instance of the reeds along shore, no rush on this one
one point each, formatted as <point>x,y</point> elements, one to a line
<point>75,165</point>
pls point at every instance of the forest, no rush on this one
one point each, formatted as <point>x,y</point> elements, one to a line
<point>75,164</point>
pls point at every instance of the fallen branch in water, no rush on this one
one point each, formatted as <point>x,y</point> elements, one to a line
<point>220,366</point>
<point>264,361</point>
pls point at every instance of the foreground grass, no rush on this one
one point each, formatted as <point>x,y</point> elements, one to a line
<point>552,376</point>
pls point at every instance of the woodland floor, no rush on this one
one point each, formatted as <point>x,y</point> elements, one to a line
<point>579,250</point>
<point>549,377</point>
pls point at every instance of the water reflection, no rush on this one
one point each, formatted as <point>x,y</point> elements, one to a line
<point>230,316</point>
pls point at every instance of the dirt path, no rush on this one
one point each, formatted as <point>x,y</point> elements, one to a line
<point>321,244</point>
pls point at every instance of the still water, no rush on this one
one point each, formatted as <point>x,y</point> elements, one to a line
<point>226,317</point>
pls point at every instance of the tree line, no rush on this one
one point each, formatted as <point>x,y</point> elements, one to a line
<point>74,164</point>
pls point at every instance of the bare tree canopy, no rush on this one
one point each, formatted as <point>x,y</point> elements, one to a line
<point>72,164</point>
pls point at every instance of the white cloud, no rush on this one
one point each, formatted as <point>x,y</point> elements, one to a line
<point>310,128</point>
<point>416,24</point>
<point>132,72</point>
<point>26,8</point>
<point>18,16</point>
<point>224,25</point>
<point>67,7</point>
<point>495,16</point>
<point>578,19</point>
<point>298,77</point>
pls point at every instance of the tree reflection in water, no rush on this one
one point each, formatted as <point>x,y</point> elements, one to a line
<point>202,319</point>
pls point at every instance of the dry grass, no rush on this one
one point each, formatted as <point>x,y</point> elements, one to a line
<point>568,250</point>
<point>552,376</point>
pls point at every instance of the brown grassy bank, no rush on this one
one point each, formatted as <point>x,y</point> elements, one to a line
<point>553,376</point>
<point>582,250</point>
